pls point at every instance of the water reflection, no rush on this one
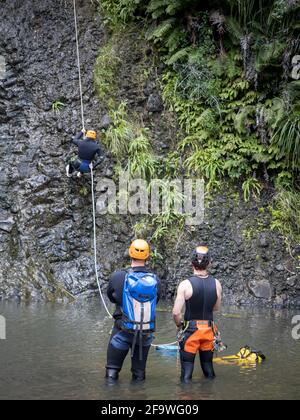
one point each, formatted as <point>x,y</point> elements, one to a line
<point>55,351</point>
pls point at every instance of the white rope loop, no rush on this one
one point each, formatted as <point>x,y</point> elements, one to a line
<point>79,66</point>
<point>95,246</point>
<point>164,345</point>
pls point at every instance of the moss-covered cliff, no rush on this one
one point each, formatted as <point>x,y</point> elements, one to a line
<point>46,220</point>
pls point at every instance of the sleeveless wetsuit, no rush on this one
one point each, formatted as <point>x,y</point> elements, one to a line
<point>201,305</point>
<point>199,333</point>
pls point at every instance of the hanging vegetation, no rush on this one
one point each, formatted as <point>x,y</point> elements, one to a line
<point>229,76</point>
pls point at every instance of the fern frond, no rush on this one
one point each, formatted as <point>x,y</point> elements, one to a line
<point>179,56</point>
<point>176,39</point>
<point>242,119</point>
<point>268,54</point>
<point>156,4</point>
<point>234,29</point>
<point>161,30</point>
<point>174,6</point>
<point>157,8</point>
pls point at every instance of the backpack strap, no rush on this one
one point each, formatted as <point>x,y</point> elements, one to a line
<point>141,332</point>
<point>134,342</point>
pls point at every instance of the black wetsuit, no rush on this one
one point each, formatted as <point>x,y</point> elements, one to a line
<point>200,307</point>
<point>88,150</point>
<point>121,341</point>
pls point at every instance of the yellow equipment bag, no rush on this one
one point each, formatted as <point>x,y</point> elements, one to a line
<point>246,355</point>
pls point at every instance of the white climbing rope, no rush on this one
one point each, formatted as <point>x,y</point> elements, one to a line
<point>92,177</point>
<point>165,345</point>
<point>92,173</point>
<point>95,245</point>
<point>79,66</point>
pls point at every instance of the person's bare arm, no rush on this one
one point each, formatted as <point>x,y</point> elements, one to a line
<point>218,305</point>
<point>179,303</point>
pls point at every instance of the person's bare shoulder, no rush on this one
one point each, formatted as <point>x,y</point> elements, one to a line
<point>184,283</point>
<point>184,286</point>
<point>219,285</point>
<point>185,289</point>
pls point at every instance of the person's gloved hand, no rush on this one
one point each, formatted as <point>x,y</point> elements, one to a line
<point>83,132</point>
<point>99,161</point>
<point>91,166</point>
<point>180,332</point>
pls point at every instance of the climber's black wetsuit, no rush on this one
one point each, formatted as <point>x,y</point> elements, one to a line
<point>88,149</point>
<point>121,341</point>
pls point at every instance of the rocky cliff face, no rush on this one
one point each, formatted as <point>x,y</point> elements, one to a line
<point>250,259</point>
<point>45,223</point>
<point>46,219</point>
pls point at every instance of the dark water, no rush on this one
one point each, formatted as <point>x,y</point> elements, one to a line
<point>58,352</point>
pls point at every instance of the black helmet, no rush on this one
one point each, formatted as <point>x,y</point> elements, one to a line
<point>201,257</point>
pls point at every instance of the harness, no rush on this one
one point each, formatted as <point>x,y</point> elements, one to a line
<point>194,325</point>
<point>84,165</point>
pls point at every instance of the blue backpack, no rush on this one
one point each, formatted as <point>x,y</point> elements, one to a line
<point>139,302</point>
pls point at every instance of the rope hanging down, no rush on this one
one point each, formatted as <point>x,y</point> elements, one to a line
<point>95,245</point>
<point>92,173</point>
<point>79,67</point>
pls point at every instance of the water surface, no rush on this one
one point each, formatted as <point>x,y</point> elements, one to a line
<point>58,352</point>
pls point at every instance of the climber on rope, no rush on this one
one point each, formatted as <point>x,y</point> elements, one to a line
<point>88,150</point>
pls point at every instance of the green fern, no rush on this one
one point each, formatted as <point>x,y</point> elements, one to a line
<point>234,30</point>
<point>285,212</point>
<point>175,40</point>
<point>238,113</point>
<point>106,66</point>
<point>243,119</point>
<point>206,163</point>
<point>120,133</point>
<point>174,6</point>
<point>159,32</point>
<point>57,106</point>
<point>269,54</point>
<point>155,5</point>
<point>251,187</point>
<point>180,55</point>
<point>141,160</point>
<point>287,138</point>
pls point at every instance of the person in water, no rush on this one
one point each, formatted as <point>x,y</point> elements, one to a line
<point>201,295</point>
<point>135,291</point>
<point>88,150</point>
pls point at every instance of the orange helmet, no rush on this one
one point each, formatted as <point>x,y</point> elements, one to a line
<point>139,250</point>
<point>91,134</point>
